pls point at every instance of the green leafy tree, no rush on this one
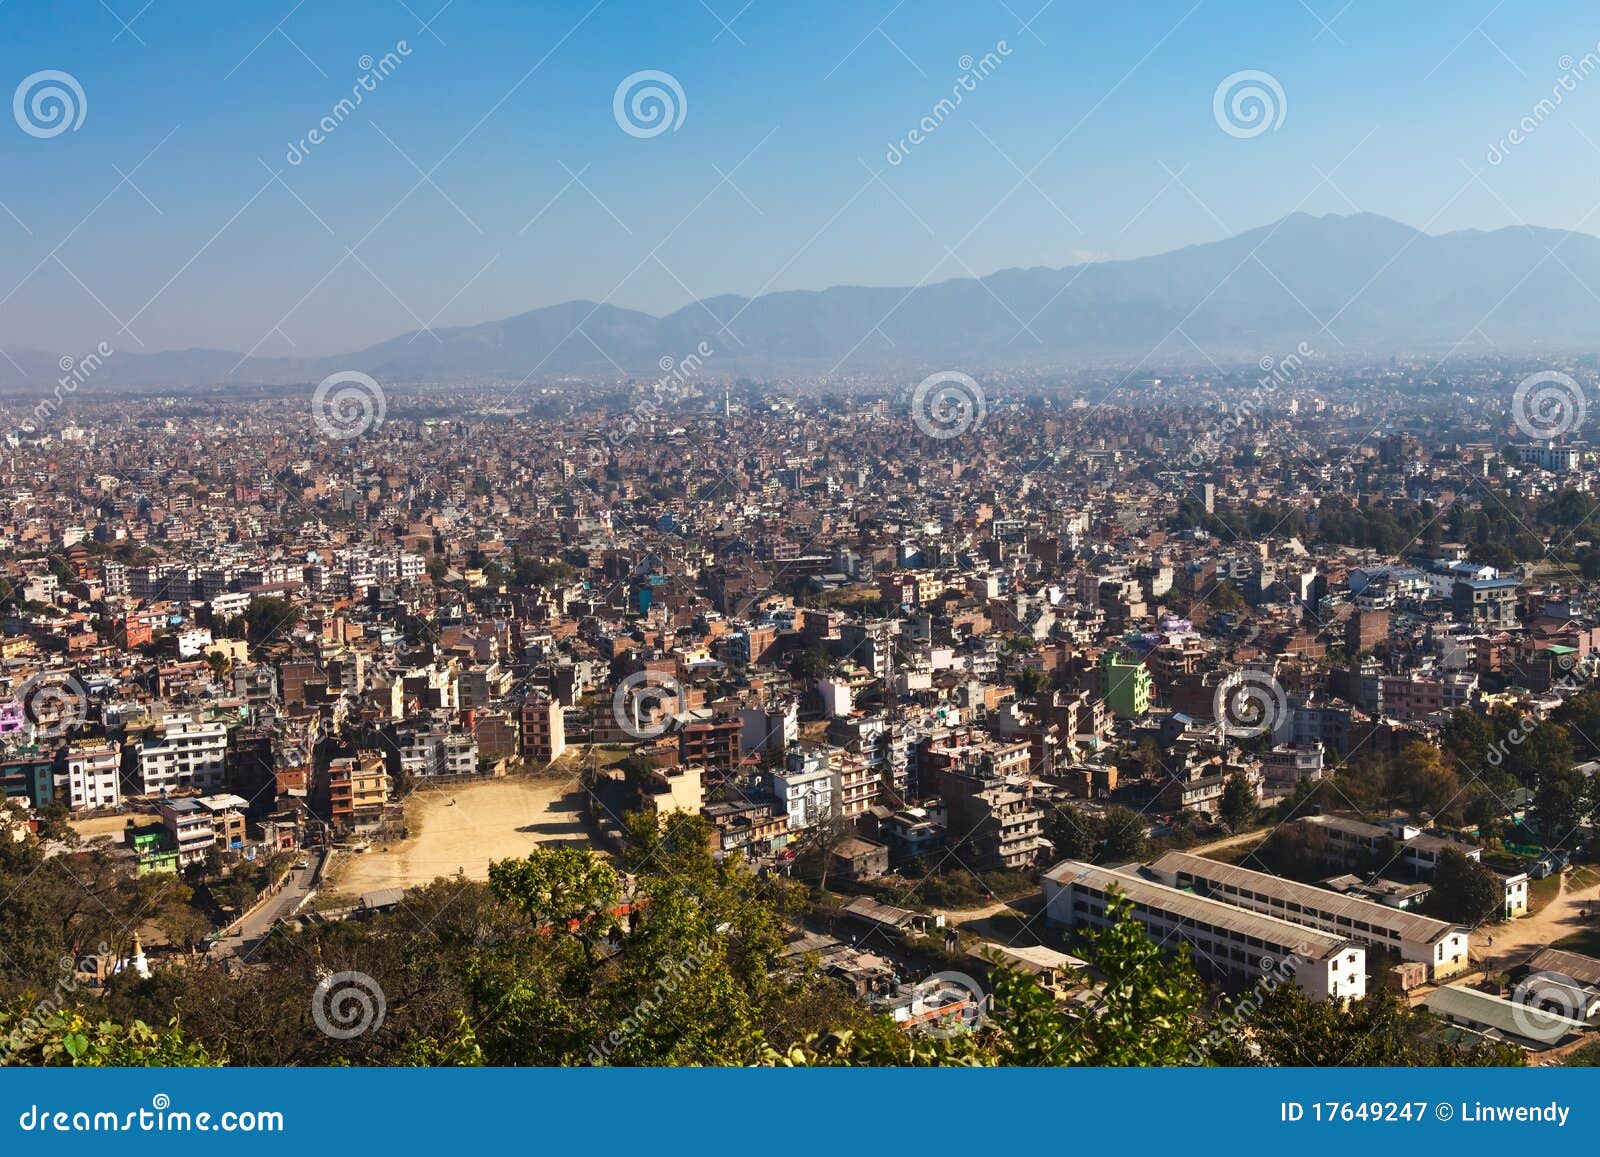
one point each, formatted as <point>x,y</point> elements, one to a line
<point>1558,806</point>
<point>1468,736</point>
<point>1072,832</point>
<point>1580,715</point>
<point>1238,805</point>
<point>1289,1029</point>
<point>1028,682</point>
<point>269,617</point>
<point>687,975</point>
<point>1150,1000</point>
<point>810,664</point>
<point>1146,1012</point>
<point>1423,782</point>
<point>1122,837</point>
<point>1464,891</point>
<point>1146,759</point>
<point>1543,751</point>
<point>570,891</point>
<point>40,1035</point>
<point>1586,1057</point>
<point>84,903</point>
<point>1225,597</point>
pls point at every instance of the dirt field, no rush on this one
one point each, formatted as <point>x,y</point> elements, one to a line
<point>492,820</point>
<point>106,825</point>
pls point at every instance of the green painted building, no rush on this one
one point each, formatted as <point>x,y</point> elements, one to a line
<point>1125,685</point>
<point>154,849</point>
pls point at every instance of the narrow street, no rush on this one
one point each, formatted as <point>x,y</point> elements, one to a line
<point>257,924</point>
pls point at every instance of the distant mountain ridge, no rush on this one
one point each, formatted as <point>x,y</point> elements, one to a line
<point>1343,284</point>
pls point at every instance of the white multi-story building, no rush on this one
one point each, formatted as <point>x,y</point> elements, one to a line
<point>114,578</point>
<point>452,754</point>
<point>804,788</point>
<point>230,604</point>
<point>365,568</point>
<point>772,727</point>
<point>193,642</point>
<point>1353,843</point>
<point>190,827</point>
<point>92,777</point>
<point>856,784</point>
<point>213,581</point>
<point>1228,942</point>
<point>1442,946</point>
<point>1446,573</point>
<point>185,753</point>
<point>426,754</point>
<point>41,588</point>
<point>142,582</point>
<point>1549,456</point>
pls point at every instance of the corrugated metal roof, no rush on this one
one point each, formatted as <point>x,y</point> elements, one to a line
<point>1308,943</point>
<point>1410,925</point>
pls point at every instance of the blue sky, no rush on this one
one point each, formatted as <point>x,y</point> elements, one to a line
<point>1093,136</point>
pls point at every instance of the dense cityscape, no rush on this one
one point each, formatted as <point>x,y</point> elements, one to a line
<point>714,720</point>
<point>564,563</point>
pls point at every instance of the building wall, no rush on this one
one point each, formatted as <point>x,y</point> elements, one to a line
<point>1368,923</point>
<point>1077,903</point>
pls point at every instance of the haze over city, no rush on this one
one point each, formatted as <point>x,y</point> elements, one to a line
<point>737,535</point>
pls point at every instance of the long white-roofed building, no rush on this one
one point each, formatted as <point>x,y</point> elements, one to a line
<point>1231,944</point>
<point>1442,946</point>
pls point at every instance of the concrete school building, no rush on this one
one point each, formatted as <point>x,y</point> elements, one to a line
<point>1349,842</point>
<point>1442,946</point>
<point>1228,942</point>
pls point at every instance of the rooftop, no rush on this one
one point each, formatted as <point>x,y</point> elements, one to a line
<point>1410,925</point>
<point>1308,943</point>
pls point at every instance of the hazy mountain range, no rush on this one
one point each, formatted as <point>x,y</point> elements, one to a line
<point>1375,284</point>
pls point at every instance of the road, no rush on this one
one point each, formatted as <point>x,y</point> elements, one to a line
<point>1514,942</point>
<point>1254,835</point>
<point>257,923</point>
<point>1020,916</point>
